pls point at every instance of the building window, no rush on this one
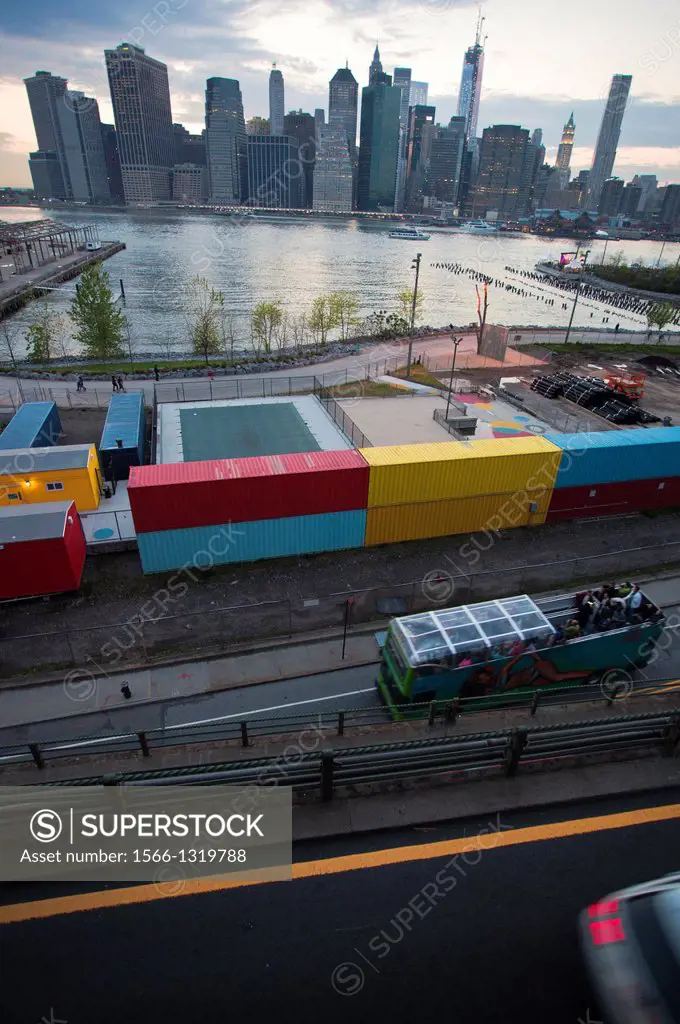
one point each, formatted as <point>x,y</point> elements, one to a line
<point>55,487</point>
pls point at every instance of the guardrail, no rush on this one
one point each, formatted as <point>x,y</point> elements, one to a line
<point>323,725</point>
<point>339,416</point>
<point>500,753</point>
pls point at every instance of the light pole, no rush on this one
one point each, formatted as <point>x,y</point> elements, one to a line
<point>578,291</point>
<point>661,253</point>
<point>416,265</point>
<point>456,343</point>
<point>605,251</point>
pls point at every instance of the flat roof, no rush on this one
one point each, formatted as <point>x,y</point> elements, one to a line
<point>123,421</point>
<point>43,521</point>
<point>16,461</point>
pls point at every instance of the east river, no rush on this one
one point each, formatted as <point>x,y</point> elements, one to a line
<point>250,261</point>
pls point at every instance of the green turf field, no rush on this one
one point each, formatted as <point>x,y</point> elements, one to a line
<point>239,431</point>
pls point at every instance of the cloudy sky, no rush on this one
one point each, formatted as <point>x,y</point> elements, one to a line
<point>543,59</point>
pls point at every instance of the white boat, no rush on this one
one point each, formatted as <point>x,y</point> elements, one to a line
<point>409,234</point>
<point>479,227</point>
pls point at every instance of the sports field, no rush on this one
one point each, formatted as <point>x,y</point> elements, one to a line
<point>233,432</point>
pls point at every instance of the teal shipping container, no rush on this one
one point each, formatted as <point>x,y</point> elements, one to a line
<point>205,546</point>
<point>34,425</point>
<point>614,456</point>
<point>123,437</point>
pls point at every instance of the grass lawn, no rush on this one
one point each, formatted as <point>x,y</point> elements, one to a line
<point>146,366</point>
<point>419,375</point>
<point>626,347</point>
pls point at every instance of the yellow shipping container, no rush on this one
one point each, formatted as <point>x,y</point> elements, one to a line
<point>64,473</point>
<point>402,474</point>
<point>491,513</point>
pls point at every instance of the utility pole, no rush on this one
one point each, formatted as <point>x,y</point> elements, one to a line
<point>416,264</point>
<point>456,343</point>
<point>578,291</point>
<point>661,253</point>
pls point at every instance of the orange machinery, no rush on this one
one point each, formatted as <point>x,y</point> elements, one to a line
<point>632,385</point>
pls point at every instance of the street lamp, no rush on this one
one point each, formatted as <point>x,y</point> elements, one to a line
<point>415,265</point>
<point>578,291</point>
<point>661,253</point>
<point>456,343</point>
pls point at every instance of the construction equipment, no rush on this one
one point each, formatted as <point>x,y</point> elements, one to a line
<point>632,385</point>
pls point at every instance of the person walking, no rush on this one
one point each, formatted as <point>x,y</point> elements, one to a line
<point>126,691</point>
<point>156,373</point>
<point>80,386</point>
<point>121,387</point>
<point>114,383</point>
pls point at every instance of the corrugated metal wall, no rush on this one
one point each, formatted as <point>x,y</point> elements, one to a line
<point>607,457</point>
<point>34,425</point>
<point>613,499</point>
<point>125,421</point>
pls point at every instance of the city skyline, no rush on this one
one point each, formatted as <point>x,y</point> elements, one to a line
<point>508,96</point>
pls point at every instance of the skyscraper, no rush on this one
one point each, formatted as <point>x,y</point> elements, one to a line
<point>301,127</point>
<point>140,94</point>
<point>402,80</point>
<point>112,161</point>
<point>333,171</point>
<point>379,148</point>
<point>471,83</point>
<point>503,177</point>
<point>446,158</point>
<point>608,139</point>
<point>274,178</point>
<point>537,137</point>
<point>258,126</point>
<point>566,145</point>
<point>669,215</point>
<point>343,104</point>
<point>376,67</point>
<point>611,196</point>
<point>45,96</point>
<point>277,103</point>
<point>81,131</point>
<point>418,94</point>
<point>421,119</point>
<point>648,184</point>
<point>225,135</point>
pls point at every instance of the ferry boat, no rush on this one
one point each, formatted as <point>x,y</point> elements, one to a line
<point>409,234</point>
<point>479,227</point>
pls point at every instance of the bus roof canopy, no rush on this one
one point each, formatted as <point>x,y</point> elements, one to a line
<point>434,636</point>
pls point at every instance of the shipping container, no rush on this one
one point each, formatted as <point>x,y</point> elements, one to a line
<point>188,494</point>
<point>205,546</point>
<point>66,473</point>
<point>34,425</point>
<point>42,550</point>
<point>391,524</point>
<point>124,436</point>
<point>403,474</point>
<point>614,456</point>
<point>613,499</point>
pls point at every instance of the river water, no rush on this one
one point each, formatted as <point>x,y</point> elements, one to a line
<point>297,261</point>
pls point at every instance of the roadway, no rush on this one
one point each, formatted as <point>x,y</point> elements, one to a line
<point>372,935</point>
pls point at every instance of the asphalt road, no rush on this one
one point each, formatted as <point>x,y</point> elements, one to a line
<point>500,945</point>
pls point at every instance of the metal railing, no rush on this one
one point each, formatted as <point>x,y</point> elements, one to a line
<point>339,416</point>
<point>330,772</point>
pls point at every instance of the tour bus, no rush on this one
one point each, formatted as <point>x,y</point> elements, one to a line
<point>500,650</point>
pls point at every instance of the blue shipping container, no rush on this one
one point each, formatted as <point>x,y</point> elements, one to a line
<point>125,422</point>
<point>615,456</point>
<point>34,425</point>
<point>204,546</point>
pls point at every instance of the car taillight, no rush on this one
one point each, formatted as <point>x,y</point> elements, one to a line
<point>603,908</point>
<point>603,933</point>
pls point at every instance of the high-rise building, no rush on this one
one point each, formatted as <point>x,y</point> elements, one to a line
<point>189,149</point>
<point>258,126</point>
<point>420,131</point>
<point>112,161</point>
<point>81,131</point>
<point>379,148</point>
<point>376,68</point>
<point>502,179</point>
<point>333,171</point>
<point>648,184</point>
<point>608,138</point>
<point>319,120</point>
<point>611,195</point>
<point>189,183</point>
<point>343,103</point>
<point>402,80</point>
<point>418,94</point>
<point>225,134</point>
<point>564,150</point>
<point>471,83</point>
<point>277,104</point>
<point>274,180</point>
<point>670,207</point>
<point>446,159</point>
<point>140,94</point>
<point>630,200</point>
<point>46,96</point>
<point>301,127</point>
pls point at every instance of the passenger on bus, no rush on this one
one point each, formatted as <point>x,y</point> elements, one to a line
<point>572,630</point>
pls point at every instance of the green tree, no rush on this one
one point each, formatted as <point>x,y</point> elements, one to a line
<point>345,309</point>
<point>267,317</point>
<point>99,323</point>
<point>660,314</point>
<point>323,318</point>
<point>204,306</point>
<point>406,305</point>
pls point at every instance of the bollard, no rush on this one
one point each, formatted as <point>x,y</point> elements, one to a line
<point>534,702</point>
<point>671,738</point>
<point>517,741</point>
<point>244,734</point>
<point>143,742</point>
<point>341,723</point>
<point>617,689</point>
<point>37,755</point>
<point>452,710</point>
<point>433,712</point>
<point>327,768</point>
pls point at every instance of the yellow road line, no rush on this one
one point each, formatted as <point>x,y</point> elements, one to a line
<point>485,841</point>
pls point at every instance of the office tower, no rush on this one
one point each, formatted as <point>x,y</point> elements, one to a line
<point>421,118</point>
<point>225,135</point>
<point>418,94</point>
<point>189,183</point>
<point>502,176</point>
<point>301,127</point>
<point>333,170</point>
<point>189,149</point>
<point>630,200</point>
<point>343,104</point>
<point>471,83</point>
<point>608,138</point>
<point>611,195</point>
<point>670,207</point>
<point>402,80</point>
<point>258,126</point>
<point>112,161</point>
<point>446,159</point>
<point>140,95</point>
<point>319,120</point>
<point>537,137</point>
<point>277,104</point>
<point>566,145</point>
<point>45,96</point>
<point>379,147</point>
<point>648,184</point>
<point>274,178</point>
<point>376,67</point>
<point>81,131</point>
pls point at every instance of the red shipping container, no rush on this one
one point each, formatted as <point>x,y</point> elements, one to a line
<point>613,499</point>
<point>42,549</point>
<point>185,494</point>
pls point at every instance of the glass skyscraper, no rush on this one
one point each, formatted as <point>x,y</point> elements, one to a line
<point>379,148</point>
<point>225,141</point>
<point>608,139</point>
